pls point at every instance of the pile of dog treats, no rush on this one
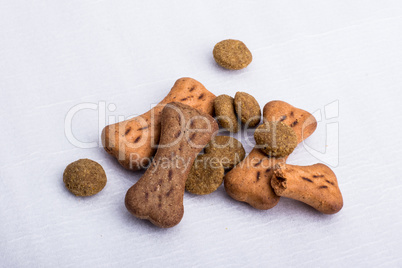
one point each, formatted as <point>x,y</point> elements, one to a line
<point>184,122</point>
<point>176,142</point>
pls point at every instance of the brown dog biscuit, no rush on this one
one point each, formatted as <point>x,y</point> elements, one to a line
<point>158,195</point>
<point>232,54</point>
<point>227,150</point>
<point>206,175</point>
<point>225,113</point>
<point>247,109</point>
<point>84,177</point>
<point>249,181</point>
<point>239,182</point>
<point>275,139</point>
<point>133,142</point>
<point>302,122</point>
<point>314,185</point>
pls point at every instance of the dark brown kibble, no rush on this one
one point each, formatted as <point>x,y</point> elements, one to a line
<point>275,139</point>
<point>225,113</point>
<point>232,54</point>
<point>226,150</point>
<point>84,177</point>
<point>205,177</point>
<point>247,109</point>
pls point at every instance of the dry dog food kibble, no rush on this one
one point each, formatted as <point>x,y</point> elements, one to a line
<point>275,139</point>
<point>247,109</point>
<point>227,150</point>
<point>84,177</point>
<point>232,54</point>
<point>205,176</point>
<point>225,112</point>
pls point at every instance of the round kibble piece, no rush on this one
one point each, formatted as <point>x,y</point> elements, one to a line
<point>247,109</point>
<point>275,139</point>
<point>205,176</point>
<point>227,150</point>
<point>84,177</point>
<point>225,112</point>
<point>232,54</point>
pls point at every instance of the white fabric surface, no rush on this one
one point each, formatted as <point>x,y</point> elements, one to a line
<point>55,55</point>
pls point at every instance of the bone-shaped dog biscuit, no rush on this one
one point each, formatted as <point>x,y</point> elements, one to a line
<point>249,180</point>
<point>315,185</point>
<point>302,122</point>
<point>158,195</point>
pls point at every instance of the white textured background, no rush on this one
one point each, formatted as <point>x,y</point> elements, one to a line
<point>57,54</point>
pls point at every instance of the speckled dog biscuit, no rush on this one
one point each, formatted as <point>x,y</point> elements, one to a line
<point>275,139</point>
<point>227,150</point>
<point>314,185</point>
<point>302,122</point>
<point>206,175</point>
<point>241,182</point>
<point>249,181</point>
<point>225,112</point>
<point>247,109</point>
<point>158,195</point>
<point>232,54</point>
<point>84,177</point>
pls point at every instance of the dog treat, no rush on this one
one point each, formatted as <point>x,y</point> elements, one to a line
<point>241,182</point>
<point>249,180</point>
<point>227,150</point>
<point>134,141</point>
<point>158,195</point>
<point>275,139</point>
<point>232,54</point>
<point>206,175</point>
<point>314,185</point>
<point>84,177</point>
<point>247,109</point>
<point>225,113</point>
<point>302,122</point>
